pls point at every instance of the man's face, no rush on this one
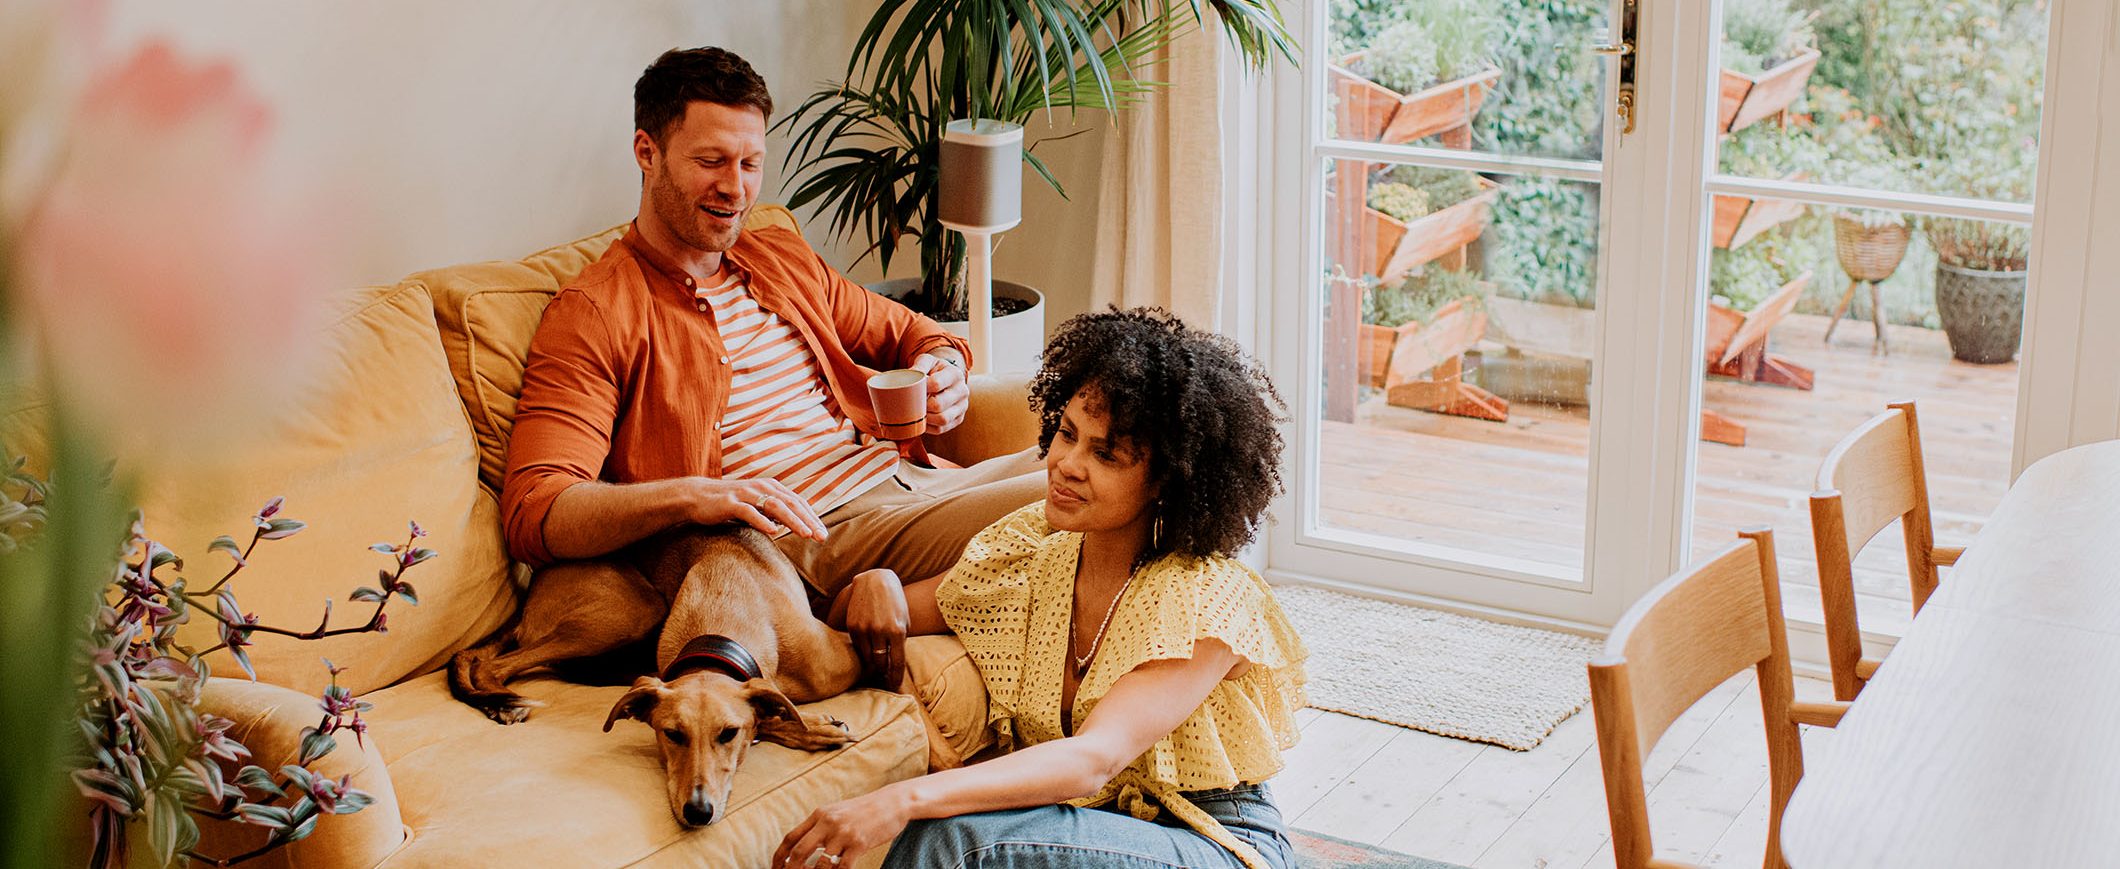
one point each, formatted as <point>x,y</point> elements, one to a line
<point>706,173</point>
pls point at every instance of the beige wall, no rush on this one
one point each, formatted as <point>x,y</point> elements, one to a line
<point>482,129</point>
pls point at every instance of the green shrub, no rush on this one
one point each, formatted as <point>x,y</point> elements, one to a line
<point>1419,296</point>
<point>1442,187</point>
<point>1401,57</point>
<point>1758,34</point>
<point>1413,45</point>
<point>1404,202</point>
<point>1542,243</point>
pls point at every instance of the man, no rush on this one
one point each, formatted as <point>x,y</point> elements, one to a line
<point>701,374</point>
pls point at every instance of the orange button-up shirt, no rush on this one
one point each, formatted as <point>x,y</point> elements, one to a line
<point>627,377</point>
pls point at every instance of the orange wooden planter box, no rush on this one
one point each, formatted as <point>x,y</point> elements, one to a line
<point>1371,112</point>
<point>1738,219</point>
<point>1747,99</point>
<point>1402,247</point>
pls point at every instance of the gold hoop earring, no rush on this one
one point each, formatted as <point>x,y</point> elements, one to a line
<point>1155,531</point>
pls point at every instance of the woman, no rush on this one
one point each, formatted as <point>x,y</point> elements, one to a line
<point>1115,599</point>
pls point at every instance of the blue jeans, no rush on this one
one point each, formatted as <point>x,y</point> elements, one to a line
<point>1053,837</point>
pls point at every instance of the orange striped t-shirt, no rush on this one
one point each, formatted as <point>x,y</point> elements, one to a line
<point>780,421</point>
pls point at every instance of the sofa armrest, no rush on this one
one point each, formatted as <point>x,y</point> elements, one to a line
<point>269,720</point>
<point>999,421</point>
<point>948,685</point>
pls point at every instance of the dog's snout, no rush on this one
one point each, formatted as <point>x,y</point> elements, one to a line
<point>698,811</point>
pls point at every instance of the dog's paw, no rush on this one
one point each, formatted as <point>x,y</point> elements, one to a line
<point>510,712</point>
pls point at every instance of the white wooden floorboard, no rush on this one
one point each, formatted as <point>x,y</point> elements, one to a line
<point>1332,747</point>
<point>1368,782</point>
<point>1465,817</point>
<point>1383,792</point>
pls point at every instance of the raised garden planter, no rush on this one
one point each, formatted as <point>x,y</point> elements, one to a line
<point>1748,99</point>
<point>1402,247</point>
<point>1738,219</point>
<point>1371,112</point>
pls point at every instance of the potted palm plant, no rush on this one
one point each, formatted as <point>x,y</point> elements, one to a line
<point>867,148</point>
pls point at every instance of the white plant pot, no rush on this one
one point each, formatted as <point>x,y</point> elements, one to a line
<point>1018,337</point>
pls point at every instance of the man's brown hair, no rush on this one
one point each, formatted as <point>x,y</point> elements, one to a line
<point>685,75</point>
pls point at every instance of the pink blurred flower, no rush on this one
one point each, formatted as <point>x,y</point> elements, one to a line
<point>171,286</point>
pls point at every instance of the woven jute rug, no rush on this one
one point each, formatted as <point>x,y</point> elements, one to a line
<point>1440,672</point>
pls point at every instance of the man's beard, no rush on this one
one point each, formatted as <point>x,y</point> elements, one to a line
<point>684,218</point>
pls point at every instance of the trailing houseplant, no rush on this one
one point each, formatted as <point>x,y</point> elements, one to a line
<point>867,148</point>
<point>149,758</point>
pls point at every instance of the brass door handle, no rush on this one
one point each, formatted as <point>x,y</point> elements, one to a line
<point>1624,49</point>
<point>1620,48</point>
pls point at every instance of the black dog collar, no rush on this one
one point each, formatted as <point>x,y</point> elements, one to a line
<point>717,653</point>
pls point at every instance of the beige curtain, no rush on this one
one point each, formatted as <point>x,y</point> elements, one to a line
<point>1159,227</point>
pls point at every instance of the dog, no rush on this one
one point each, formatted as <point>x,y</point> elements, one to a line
<point>739,648</point>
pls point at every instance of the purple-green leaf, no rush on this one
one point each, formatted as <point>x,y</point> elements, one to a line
<point>384,548</point>
<point>404,590</point>
<point>279,528</point>
<point>367,594</point>
<point>225,543</point>
<point>316,744</point>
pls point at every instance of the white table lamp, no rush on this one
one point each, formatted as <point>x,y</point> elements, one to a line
<point>981,193</point>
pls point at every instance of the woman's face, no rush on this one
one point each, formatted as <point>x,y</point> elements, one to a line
<point>1091,482</point>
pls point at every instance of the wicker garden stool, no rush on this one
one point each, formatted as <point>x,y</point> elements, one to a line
<point>1869,253</point>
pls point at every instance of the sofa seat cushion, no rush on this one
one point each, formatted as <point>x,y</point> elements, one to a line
<point>488,313</point>
<point>556,790</point>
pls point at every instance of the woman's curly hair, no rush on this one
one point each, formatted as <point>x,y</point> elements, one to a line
<point>1204,411</point>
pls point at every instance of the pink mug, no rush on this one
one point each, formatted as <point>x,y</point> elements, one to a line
<point>900,398</point>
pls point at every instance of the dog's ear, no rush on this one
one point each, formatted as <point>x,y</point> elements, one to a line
<point>637,702</point>
<point>770,704</point>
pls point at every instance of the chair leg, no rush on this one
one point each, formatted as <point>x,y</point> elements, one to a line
<point>1846,298</point>
<point>1877,317</point>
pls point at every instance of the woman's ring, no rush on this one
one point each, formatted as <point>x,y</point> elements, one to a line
<point>819,855</point>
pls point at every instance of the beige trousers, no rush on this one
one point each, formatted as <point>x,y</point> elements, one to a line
<point>917,522</point>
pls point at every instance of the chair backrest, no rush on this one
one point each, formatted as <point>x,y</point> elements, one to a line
<point>1689,634</point>
<point>1871,478</point>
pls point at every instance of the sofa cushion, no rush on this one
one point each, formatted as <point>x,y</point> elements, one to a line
<point>488,313</point>
<point>557,791</point>
<point>377,438</point>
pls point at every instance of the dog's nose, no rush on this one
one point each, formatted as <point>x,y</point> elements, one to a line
<point>698,811</point>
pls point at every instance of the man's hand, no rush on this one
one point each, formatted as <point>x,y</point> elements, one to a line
<point>948,395</point>
<point>764,504</point>
<point>876,618</point>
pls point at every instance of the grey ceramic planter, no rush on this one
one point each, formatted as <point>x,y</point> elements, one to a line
<point>1982,312</point>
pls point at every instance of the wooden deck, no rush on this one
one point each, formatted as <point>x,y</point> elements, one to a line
<point>1521,487</point>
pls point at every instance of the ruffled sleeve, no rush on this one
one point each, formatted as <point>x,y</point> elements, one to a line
<point>1238,733</point>
<point>985,600</point>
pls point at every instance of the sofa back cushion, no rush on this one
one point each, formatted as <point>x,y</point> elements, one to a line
<point>488,312</point>
<point>377,438</point>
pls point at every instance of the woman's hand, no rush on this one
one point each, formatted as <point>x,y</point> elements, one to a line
<point>837,834</point>
<point>876,619</point>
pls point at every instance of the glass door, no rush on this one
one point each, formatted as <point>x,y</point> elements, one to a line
<point>1547,246</point>
<point>1458,299</point>
<point>1871,208</point>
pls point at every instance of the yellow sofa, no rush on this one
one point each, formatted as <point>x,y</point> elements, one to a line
<point>410,420</point>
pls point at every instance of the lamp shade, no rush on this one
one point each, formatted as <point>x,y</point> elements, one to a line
<point>981,188</point>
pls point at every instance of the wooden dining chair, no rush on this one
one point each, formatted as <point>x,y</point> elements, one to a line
<point>1689,634</point>
<point>1873,476</point>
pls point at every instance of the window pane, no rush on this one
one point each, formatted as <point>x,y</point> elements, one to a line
<point>1894,95</point>
<point>1459,331</point>
<point>1501,76</point>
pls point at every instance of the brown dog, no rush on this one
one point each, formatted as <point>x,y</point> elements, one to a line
<point>739,648</point>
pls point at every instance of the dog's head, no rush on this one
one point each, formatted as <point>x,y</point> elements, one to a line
<point>704,723</point>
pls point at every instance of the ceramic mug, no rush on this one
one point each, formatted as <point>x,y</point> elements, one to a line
<point>900,398</point>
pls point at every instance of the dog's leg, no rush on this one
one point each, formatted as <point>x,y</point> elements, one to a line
<point>575,610</point>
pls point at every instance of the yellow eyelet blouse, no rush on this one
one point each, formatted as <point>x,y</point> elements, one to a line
<point>1009,600</point>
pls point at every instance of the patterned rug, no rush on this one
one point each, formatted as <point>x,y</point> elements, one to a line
<point>1443,673</point>
<point>1318,851</point>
